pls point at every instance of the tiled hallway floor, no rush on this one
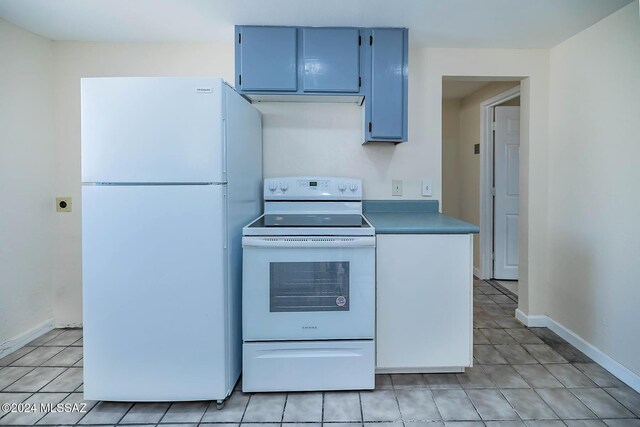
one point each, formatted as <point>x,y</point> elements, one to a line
<point>521,376</point>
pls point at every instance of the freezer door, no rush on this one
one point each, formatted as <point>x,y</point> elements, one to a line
<point>154,293</point>
<point>152,130</point>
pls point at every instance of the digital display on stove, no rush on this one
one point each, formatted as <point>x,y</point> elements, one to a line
<point>313,183</point>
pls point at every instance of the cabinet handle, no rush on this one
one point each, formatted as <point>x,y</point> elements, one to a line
<point>369,126</point>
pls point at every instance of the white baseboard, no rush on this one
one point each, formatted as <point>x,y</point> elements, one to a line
<point>13,344</point>
<point>618,370</point>
<point>532,321</point>
<point>69,325</point>
<point>476,272</point>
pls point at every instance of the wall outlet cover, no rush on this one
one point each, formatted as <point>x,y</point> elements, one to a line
<point>427,187</point>
<point>396,187</point>
<point>63,204</point>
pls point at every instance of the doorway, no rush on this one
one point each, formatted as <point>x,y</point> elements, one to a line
<point>499,192</point>
<point>474,170</point>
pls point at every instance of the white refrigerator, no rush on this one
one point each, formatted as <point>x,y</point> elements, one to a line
<point>171,171</point>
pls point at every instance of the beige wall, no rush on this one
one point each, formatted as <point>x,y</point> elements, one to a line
<point>75,60</point>
<point>578,252</point>
<point>450,166</point>
<point>26,182</point>
<point>468,162</point>
<point>298,138</point>
<point>594,171</point>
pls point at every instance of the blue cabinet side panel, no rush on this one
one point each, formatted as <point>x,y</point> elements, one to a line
<point>268,59</point>
<point>388,93</point>
<point>331,60</point>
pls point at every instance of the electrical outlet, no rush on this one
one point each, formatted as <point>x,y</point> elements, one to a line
<point>396,187</point>
<point>63,204</point>
<point>427,188</point>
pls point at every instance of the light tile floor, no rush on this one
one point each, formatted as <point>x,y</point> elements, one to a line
<point>520,377</point>
<point>510,285</point>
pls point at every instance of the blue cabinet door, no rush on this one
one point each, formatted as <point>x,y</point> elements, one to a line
<point>331,60</point>
<point>388,85</point>
<point>266,59</point>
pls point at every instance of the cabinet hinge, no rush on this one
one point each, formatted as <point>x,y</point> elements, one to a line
<point>493,126</point>
<point>370,126</point>
<point>239,79</point>
<point>493,255</point>
<point>239,38</point>
<point>359,81</point>
<point>370,40</point>
<point>359,40</point>
<point>493,191</point>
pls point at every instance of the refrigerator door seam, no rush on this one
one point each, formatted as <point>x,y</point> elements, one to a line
<point>124,184</point>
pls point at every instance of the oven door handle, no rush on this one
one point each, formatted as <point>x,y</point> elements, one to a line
<point>308,242</point>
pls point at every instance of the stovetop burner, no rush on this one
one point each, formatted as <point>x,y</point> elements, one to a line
<point>314,220</point>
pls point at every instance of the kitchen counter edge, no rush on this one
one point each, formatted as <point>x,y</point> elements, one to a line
<point>413,217</point>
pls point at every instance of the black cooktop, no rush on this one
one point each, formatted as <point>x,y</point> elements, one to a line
<point>311,220</point>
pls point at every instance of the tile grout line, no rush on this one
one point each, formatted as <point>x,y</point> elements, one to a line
<point>123,415</point>
<point>245,408</point>
<point>632,410</point>
<point>208,406</point>
<point>284,407</point>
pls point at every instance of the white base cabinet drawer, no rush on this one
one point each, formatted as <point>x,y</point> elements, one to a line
<point>424,302</point>
<point>308,365</point>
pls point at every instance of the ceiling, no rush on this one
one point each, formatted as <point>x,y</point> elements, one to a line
<point>458,89</point>
<point>439,23</point>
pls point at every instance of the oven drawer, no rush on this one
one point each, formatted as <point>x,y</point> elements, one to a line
<point>304,366</point>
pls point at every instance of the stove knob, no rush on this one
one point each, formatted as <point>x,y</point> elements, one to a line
<point>284,186</point>
<point>273,186</point>
<point>353,187</point>
<point>342,187</point>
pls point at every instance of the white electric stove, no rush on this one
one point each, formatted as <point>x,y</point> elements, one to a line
<point>309,288</point>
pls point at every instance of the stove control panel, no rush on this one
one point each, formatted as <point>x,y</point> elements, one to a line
<point>312,188</point>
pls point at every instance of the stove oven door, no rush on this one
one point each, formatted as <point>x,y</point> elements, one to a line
<point>308,288</point>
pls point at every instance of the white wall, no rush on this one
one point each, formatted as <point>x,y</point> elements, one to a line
<point>594,171</point>
<point>26,181</point>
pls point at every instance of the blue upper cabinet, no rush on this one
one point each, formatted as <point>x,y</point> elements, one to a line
<point>331,60</point>
<point>266,59</point>
<point>387,89</point>
<point>343,64</point>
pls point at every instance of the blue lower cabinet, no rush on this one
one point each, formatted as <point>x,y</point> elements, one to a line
<point>266,59</point>
<point>331,60</point>
<point>386,103</point>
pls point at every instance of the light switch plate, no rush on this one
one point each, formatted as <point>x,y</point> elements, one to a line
<point>427,187</point>
<point>63,204</point>
<point>396,187</point>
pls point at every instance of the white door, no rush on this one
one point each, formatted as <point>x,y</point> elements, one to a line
<point>152,130</point>
<point>153,292</point>
<point>506,182</point>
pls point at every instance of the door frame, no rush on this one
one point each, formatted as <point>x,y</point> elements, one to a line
<point>486,180</point>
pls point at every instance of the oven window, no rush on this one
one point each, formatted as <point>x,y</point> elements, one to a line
<point>309,286</point>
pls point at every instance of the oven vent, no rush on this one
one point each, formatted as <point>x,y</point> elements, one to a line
<point>309,239</point>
